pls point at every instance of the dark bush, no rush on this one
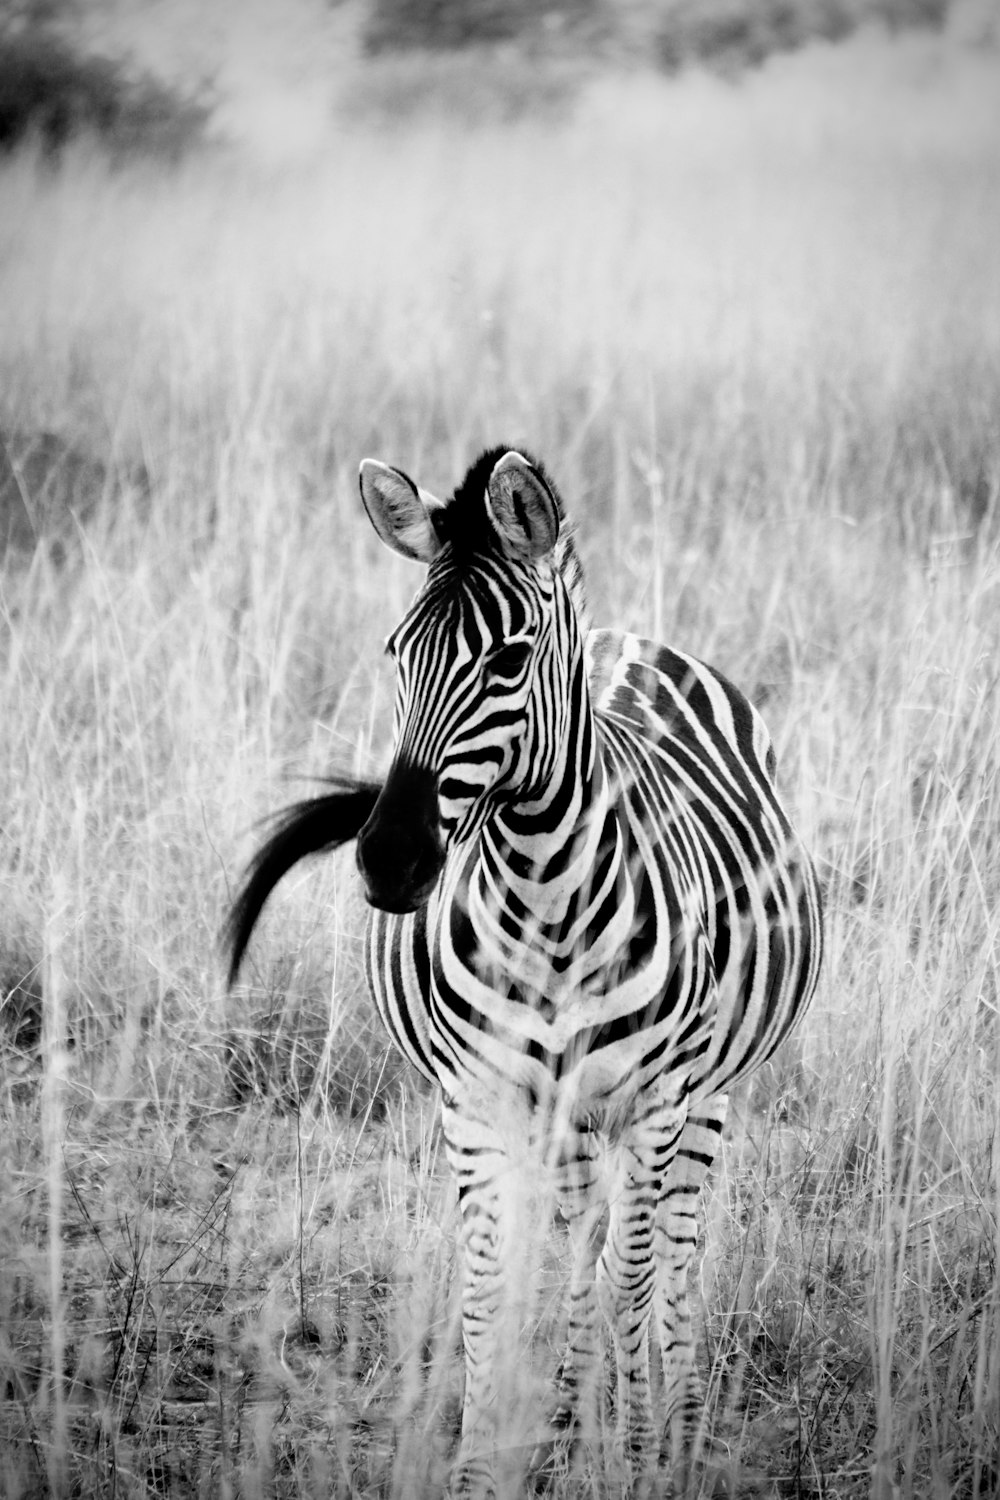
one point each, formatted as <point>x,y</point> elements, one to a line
<point>727,35</point>
<point>730,35</point>
<point>396,25</point>
<point>50,489</point>
<point>52,93</point>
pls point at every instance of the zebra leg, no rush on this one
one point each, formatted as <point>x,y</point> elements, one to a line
<point>582,1203</point>
<point>492,1236</point>
<point>675,1238</point>
<point>626,1274</point>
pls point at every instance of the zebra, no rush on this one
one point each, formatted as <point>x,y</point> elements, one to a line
<point>589,918</point>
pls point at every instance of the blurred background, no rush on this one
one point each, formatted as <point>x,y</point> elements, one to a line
<point>167,75</point>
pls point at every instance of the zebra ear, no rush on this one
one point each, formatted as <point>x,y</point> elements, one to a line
<point>400,512</point>
<point>522,507</point>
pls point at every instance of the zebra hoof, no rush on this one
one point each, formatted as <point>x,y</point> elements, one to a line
<point>548,1463</point>
<point>704,1466</point>
<point>557,1456</point>
<point>465,1486</point>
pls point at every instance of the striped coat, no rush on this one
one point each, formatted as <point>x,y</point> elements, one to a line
<point>590,918</point>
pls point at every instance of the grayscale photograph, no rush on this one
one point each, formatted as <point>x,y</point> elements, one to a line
<point>499,749</point>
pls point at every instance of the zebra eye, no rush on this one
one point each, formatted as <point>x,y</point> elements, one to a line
<point>509,660</point>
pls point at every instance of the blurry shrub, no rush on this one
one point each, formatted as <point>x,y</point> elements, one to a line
<point>474,87</point>
<point>49,489</point>
<point>52,93</point>
<point>725,34</point>
<point>396,25</point>
<point>735,34</point>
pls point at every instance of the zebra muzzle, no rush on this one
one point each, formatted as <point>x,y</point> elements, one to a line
<point>400,852</point>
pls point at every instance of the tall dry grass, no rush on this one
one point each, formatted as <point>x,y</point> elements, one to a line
<point>755,336</point>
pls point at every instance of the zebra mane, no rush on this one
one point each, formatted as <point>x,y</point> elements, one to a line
<point>567,560</point>
<point>464,524</point>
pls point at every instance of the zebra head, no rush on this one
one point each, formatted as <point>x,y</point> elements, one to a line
<point>483,660</point>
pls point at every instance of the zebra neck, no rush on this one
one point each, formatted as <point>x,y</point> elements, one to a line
<point>546,850</point>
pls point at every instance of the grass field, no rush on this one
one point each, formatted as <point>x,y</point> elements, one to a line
<point>755,336</point>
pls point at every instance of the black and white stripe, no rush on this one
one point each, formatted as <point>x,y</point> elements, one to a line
<point>590,918</point>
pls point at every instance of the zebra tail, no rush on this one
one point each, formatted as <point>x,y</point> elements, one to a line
<point>313,826</point>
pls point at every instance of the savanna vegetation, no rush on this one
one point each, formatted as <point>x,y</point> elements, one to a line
<point>728,36</point>
<point>54,90</point>
<point>754,334</point>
